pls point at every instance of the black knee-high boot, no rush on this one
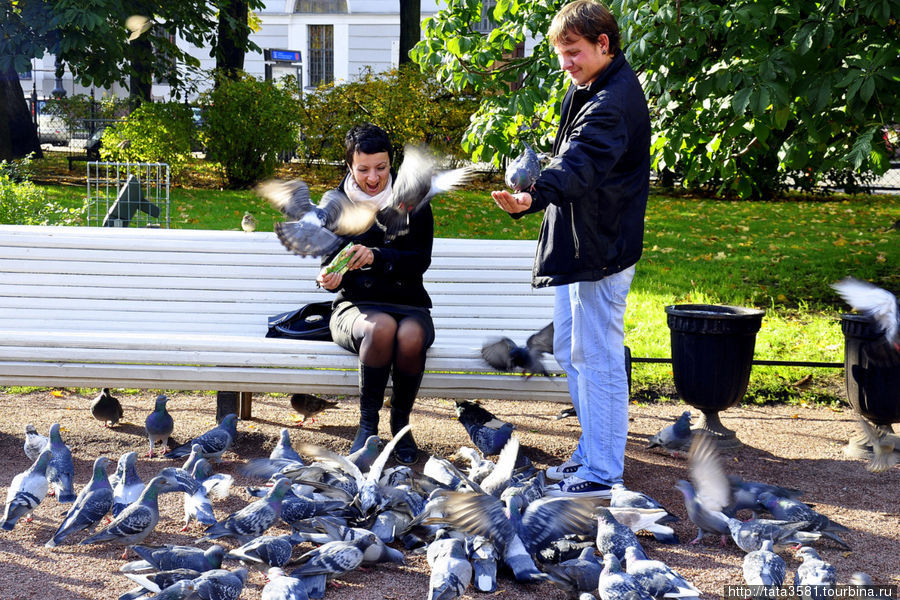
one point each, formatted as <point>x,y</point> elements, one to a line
<point>372,381</point>
<point>405,388</point>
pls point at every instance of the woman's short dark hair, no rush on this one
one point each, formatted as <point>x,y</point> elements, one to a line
<point>367,139</point>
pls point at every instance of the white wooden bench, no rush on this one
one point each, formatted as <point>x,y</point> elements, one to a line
<point>177,309</point>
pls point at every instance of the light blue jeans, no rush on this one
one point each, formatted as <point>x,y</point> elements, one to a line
<point>589,344</point>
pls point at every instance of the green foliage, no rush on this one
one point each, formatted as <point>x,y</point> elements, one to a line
<point>76,109</point>
<point>746,96</point>
<point>410,106</point>
<point>248,122</point>
<point>152,133</point>
<point>23,203</point>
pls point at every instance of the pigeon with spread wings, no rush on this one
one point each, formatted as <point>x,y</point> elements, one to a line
<point>505,355</point>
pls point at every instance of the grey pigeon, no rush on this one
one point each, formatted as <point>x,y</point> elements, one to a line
<point>377,552</point>
<point>787,509</point>
<point>94,501</point>
<point>764,567</point>
<point>885,447</point>
<point>708,496</point>
<point>252,520</point>
<point>813,576</point>
<point>451,572</point>
<point>878,304</point>
<point>484,557</point>
<point>61,470</point>
<point>34,443</point>
<point>366,455</point>
<point>622,497</point>
<point>135,522</point>
<point>193,458</point>
<point>106,408</point>
<point>159,425</point>
<point>180,590</point>
<point>675,438</point>
<point>26,491</point>
<point>615,584</point>
<point>159,581</point>
<point>505,355</point>
<point>657,578</point>
<point>416,184</point>
<point>706,520</point>
<point>283,587</point>
<point>612,536</point>
<point>308,406</point>
<point>644,519</point>
<point>221,584</point>
<point>268,550</point>
<point>213,443</point>
<point>126,483</point>
<point>488,433</point>
<point>749,535</point>
<point>479,466</point>
<point>523,171</point>
<point>330,560</point>
<point>315,229</point>
<point>745,494</point>
<point>577,575</point>
<point>283,449</point>
<point>167,558</point>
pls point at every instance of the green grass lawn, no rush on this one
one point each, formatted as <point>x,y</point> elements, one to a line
<point>775,255</point>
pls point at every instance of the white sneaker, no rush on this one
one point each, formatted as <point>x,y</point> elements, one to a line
<point>567,469</point>
<point>575,487</point>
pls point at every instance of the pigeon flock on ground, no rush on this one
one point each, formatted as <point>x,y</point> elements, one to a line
<point>476,524</point>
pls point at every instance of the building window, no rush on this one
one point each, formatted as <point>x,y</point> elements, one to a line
<point>487,23</point>
<point>321,55</point>
<point>321,6</point>
<point>25,74</point>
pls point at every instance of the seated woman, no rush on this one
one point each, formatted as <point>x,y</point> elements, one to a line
<point>382,311</point>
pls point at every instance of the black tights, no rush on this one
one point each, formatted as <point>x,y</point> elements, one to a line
<point>385,341</point>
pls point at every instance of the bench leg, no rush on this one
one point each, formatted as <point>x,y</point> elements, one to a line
<point>239,403</point>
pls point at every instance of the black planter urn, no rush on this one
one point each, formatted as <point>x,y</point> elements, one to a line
<point>871,377</point>
<point>712,354</point>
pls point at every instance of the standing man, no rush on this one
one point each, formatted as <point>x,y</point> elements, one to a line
<point>594,195</point>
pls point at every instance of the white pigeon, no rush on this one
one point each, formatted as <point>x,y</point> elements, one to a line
<point>874,302</point>
<point>26,491</point>
<point>34,442</point>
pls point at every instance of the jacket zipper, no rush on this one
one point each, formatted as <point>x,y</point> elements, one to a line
<point>574,233</point>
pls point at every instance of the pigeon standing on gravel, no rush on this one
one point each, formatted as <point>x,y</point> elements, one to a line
<point>877,304</point>
<point>135,522</point>
<point>283,449</point>
<point>786,509</point>
<point>166,558</point>
<point>505,355</point>
<point>613,537</point>
<point>615,584</point>
<point>487,432</point>
<point>307,406</point>
<point>676,438</point>
<point>708,493</point>
<point>657,578</point>
<point>61,470</point>
<point>213,443</point>
<point>745,494</point>
<point>330,560</point>
<point>252,520</point>
<point>26,491</point>
<point>815,573</point>
<point>126,483</point>
<point>221,584</point>
<point>707,520</point>
<point>523,171</point>
<point>451,571</point>
<point>764,567</point>
<point>283,587</point>
<point>159,425</point>
<point>34,443</point>
<point>749,535</point>
<point>266,550</point>
<point>106,408</point>
<point>94,501</point>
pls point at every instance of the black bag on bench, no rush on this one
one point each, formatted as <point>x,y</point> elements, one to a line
<point>309,322</point>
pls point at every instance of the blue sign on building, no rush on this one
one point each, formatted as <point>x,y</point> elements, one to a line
<point>292,56</point>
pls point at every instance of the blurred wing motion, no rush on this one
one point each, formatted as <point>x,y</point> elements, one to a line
<point>505,355</point>
<point>874,302</point>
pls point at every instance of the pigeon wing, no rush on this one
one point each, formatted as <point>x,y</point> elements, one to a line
<point>498,354</point>
<point>708,476</point>
<point>289,197</point>
<point>878,304</point>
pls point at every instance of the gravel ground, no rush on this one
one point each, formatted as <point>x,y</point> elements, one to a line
<point>795,446</point>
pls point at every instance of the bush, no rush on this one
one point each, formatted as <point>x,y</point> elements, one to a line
<point>153,133</point>
<point>248,123</point>
<point>410,106</point>
<point>22,203</point>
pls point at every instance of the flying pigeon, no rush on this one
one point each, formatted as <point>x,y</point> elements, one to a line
<point>708,494</point>
<point>135,522</point>
<point>488,433</point>
<point>676,437</point>
<point>505,355</point>
<point>166,558</point>
<point>885,447</point>
<point>252,520</point>
<point>283,587</point>
<point>94,501</point>
<point>451,572</point>
<point>878,304</point>
<point>213,443</point>
<point>34,443</point>
<point>416,184</point>
<point>159,425</point>
<point>221,584</point>
<point>106,408</point>
<point>764,567</point>
<point>61,470</point>
<point>657,578</point>
<point>706,519</point>
<point>615,584</point>
<point>26,491</point>
<point>126,483</point>
<point>248,222</point>
<point>308,406</point>
<point>622,497</point>
<point>786,509</point>
<point>522,172</point>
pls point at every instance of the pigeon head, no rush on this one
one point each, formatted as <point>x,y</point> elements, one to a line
<point>807,553</point>
<point>54,434</point>
<point>30,429</point>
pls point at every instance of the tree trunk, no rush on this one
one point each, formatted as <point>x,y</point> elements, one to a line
<point>233,33</point>
<point>18,136</point>
<point>140,83</point>
<point>410,27</point>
